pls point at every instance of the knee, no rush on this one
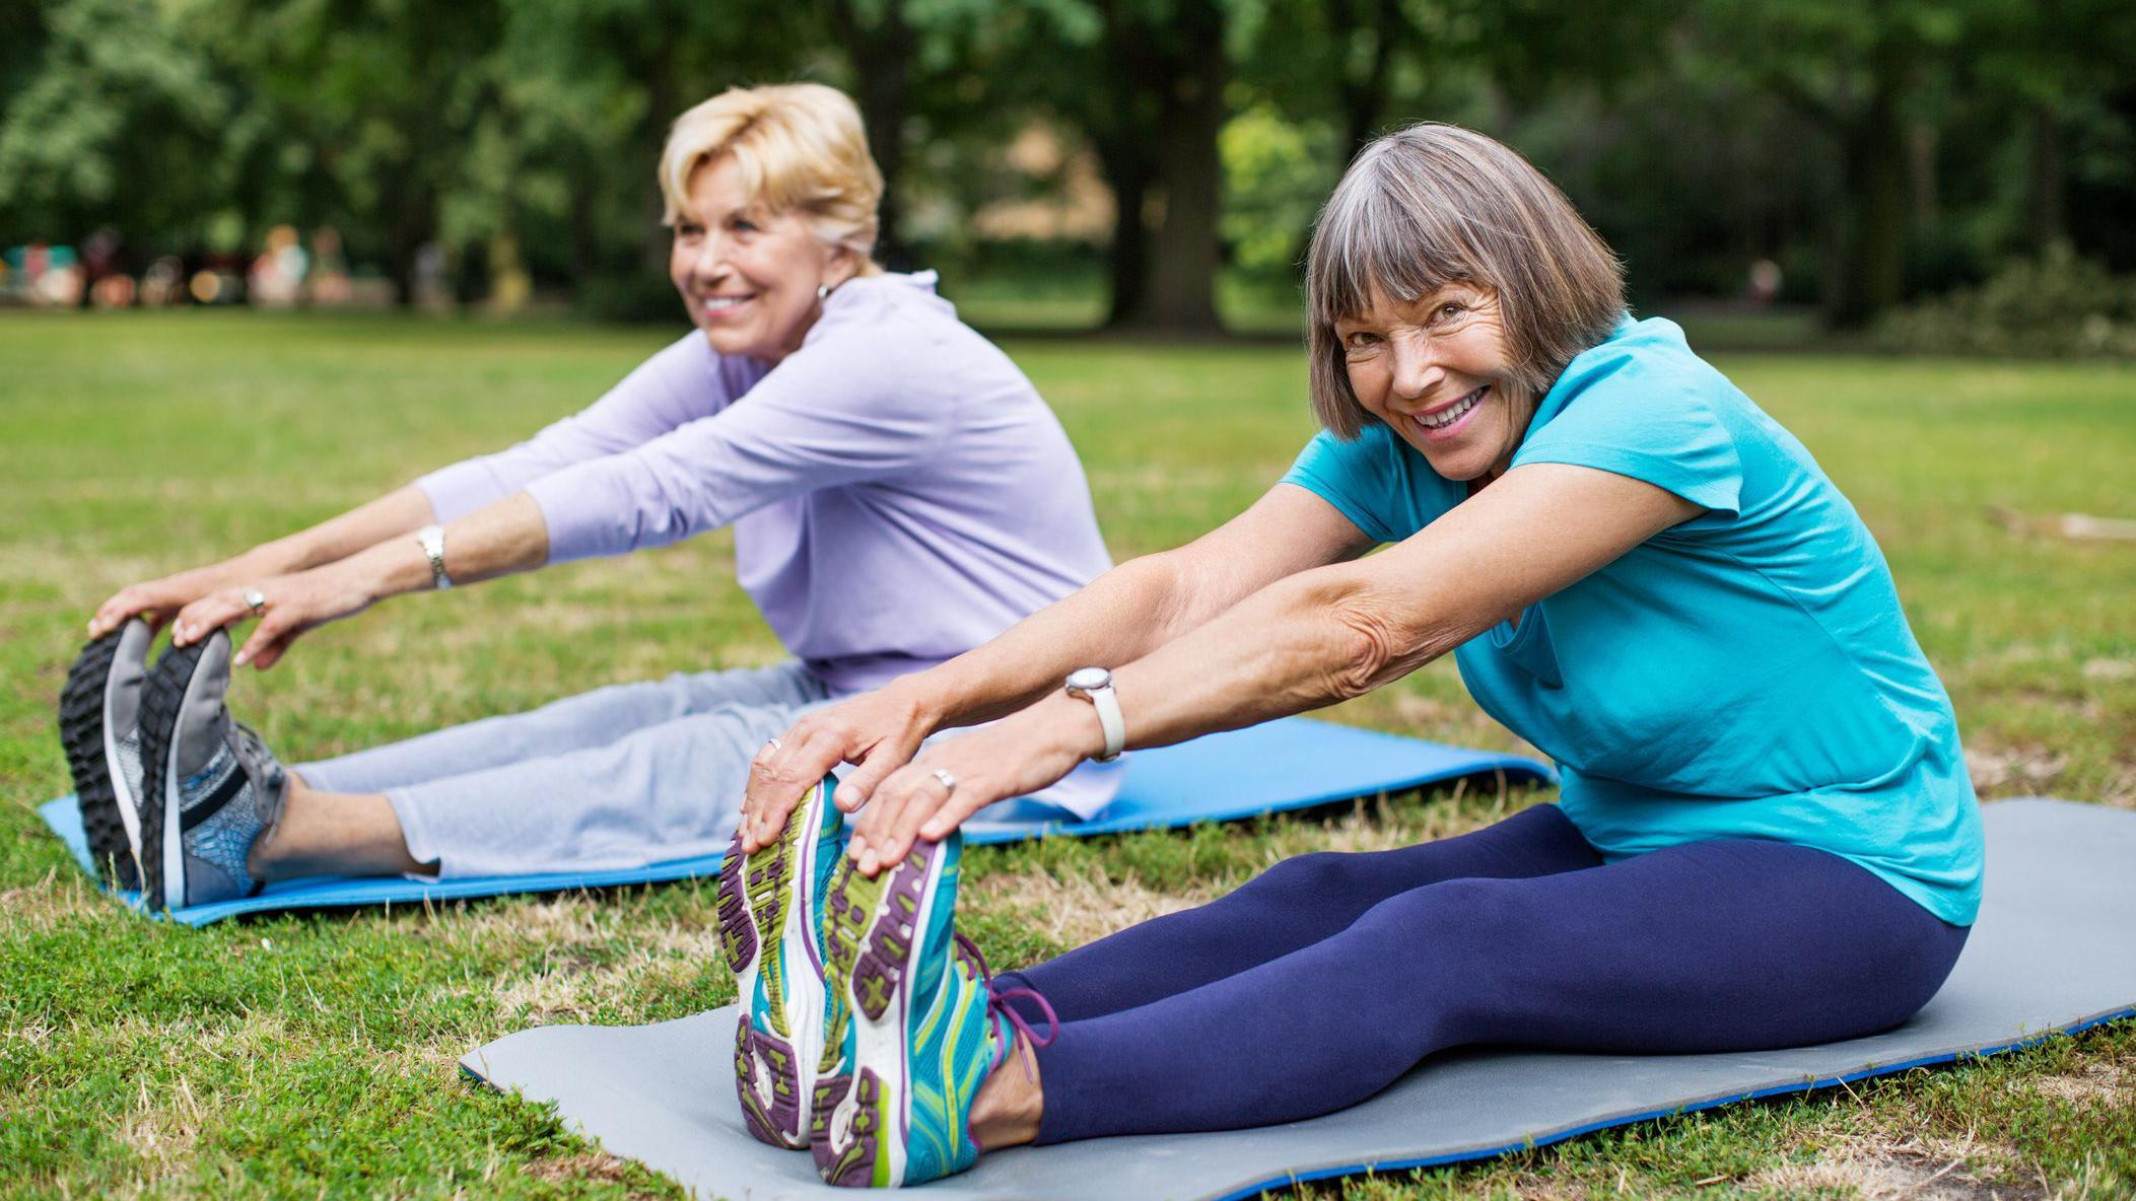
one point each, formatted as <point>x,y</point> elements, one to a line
<point>1315,875</point>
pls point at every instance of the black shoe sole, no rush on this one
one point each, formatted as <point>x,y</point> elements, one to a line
<point>81,732</point>
<point>162,700</point>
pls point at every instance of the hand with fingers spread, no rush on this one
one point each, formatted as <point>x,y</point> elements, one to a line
<point>956,777</point>
<point>877,730</point>
<point>286,606</point>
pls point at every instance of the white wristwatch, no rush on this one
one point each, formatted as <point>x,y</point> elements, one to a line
<point>1094,684</point>
<point>432,539</point>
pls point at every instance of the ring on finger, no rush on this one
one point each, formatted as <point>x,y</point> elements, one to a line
<point>948,781</point>
<point>256,601</point>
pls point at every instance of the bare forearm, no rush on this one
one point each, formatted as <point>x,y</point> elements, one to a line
<point>1300,644</point>
<point>504,538</point>
<point>400,511</point>
<point>1118,617</point>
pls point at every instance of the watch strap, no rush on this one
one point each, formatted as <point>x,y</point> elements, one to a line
<point>432,539</point>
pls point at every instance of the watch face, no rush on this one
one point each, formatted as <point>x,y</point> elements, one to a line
<point>1086,678</point>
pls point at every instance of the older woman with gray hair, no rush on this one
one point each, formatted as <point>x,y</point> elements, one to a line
<point>1765,835</point>
<point>898,492</point>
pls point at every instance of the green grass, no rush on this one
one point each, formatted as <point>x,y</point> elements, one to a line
<point>314,1055</point>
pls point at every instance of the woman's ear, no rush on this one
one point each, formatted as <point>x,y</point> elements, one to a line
<point>844,264</point>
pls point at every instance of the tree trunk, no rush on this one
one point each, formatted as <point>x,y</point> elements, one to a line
<point>1871,272</point>
<point>1364,101</point>
<point>882,55</point>
<point>1127,173</point>
<point>1186,251</point>
<point>2046,206</point>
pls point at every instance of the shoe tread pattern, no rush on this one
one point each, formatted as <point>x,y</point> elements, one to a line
<point>754,899</point>
<point>81,733</point>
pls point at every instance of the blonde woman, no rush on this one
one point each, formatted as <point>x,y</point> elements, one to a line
<point>898,491</point>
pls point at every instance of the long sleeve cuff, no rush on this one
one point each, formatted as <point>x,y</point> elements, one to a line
<point>462,488</point>
<point>588,512</point>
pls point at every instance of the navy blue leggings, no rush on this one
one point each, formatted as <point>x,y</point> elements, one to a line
<point>1325,978</point>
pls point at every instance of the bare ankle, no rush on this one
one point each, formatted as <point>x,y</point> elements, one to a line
<point>1007,1110</point>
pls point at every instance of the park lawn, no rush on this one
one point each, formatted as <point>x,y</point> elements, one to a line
<point>314,1054</point>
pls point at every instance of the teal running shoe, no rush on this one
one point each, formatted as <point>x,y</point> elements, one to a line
<point>770,915</point>
<point>919,1031</point>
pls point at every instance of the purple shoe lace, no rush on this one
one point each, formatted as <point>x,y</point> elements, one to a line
<point>998,1008</point>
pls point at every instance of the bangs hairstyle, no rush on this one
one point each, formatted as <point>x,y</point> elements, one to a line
<point>1434,204</point>
<point>800,148</point>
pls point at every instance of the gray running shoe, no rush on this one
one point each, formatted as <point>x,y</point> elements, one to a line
<point>99,726</point>
<point>211,788</point>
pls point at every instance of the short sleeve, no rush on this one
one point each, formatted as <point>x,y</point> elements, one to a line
<point>1661,423</point>
<point>1354,476</point>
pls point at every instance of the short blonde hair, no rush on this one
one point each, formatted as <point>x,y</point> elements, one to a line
<point>1433,204</point>
<point>800,148</point>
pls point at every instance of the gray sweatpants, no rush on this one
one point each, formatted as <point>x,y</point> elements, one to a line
<point>614,778</point>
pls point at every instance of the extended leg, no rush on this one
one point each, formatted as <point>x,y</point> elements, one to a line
<point>1294,904</point>
<point>590,719</point>
<point>1725,945</point>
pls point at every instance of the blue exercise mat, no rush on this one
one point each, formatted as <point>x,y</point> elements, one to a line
<point>1295,763</point>
<point>2051,954</point>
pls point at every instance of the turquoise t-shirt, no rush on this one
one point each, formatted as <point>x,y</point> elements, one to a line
<point>1746,674</point>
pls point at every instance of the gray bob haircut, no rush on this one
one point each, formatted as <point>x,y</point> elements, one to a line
<point>1433,204</point>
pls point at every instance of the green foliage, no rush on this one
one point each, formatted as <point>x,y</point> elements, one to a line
<point>2057,304</point>
<point>122,121</point>
<point>1275,177</point>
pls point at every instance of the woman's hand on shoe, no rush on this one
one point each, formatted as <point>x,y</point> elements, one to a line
<point>158,601</point>
<point>290,606</point>
<point>1013,757</point>
<point>878,730</point>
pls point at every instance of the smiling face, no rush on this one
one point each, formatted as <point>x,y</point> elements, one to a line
<point>1435,369</point>
<point>747,275</point>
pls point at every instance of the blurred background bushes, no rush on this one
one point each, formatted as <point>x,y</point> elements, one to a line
<point>1869,164</point>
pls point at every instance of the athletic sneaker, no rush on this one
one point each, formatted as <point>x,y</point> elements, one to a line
<point>770,915</point>
<point>921,1031</point>
<point>211,788</point>
<point>99,726</point>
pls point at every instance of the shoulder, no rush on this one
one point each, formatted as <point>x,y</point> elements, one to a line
<point>1646,360</point>
<point>892,338</point>
<point>1382,486</point>
<point>891,313</point>
<point>1642,404</point>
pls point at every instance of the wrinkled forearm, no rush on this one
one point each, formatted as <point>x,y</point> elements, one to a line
<point>1302,643</point>
<point>1117,617</point>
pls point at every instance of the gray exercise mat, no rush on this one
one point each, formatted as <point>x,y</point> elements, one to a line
<point>2054,951</point>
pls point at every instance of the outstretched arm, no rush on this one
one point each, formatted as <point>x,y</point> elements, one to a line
<point>1309,640</point>
<point>400,511</point>
<point>1120,616</point>
<point>678,385</point>
<point>505,537</point>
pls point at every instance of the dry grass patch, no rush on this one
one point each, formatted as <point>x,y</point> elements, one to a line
<point>2000,770</point>
<point>62,894</point>
<point>1081,908</point>
<point>588,1166</point>
<point>2095,1084</point>
<point>1877,1170</point>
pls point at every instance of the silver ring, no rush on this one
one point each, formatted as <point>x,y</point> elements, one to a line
<point>948,781</point>
<point>773,743</point>
<point>256,601</point>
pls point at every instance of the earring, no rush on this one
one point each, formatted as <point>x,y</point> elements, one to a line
<point>823,293</point>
